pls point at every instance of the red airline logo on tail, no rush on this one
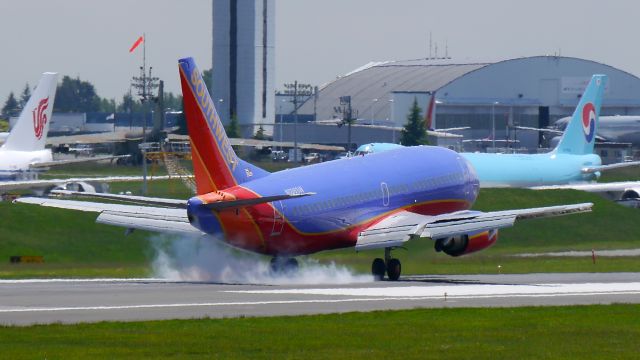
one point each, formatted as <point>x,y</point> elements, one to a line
<point>40,117</point>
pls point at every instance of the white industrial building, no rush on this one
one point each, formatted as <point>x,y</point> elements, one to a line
<point>531,91</point>
<point>243,61</point>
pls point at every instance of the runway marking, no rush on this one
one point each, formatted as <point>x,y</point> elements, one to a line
<point>286,302</point>
<point>464,290</point>
<point>413,293</point>
<point>152,306</point>
<point>105,280</point>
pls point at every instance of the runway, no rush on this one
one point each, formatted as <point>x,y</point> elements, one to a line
<point>24,302</point>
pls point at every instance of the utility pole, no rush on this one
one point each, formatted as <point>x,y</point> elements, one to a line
<point>297,90</point>
<point>145,84</point>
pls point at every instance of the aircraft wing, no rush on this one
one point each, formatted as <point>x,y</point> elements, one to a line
<point>589,170</point>
<point>158,219</point>
<point>612,187</point>
<point>552,131</point>
<point>75,161</point>
<point>443,134</point>
<point>401,227</point>
<point>39,184</point>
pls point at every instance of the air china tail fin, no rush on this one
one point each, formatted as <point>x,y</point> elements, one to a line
<point>580,135</point>
<point>215,165</point>
<point>30,131</point>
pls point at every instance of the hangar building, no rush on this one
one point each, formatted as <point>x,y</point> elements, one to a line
<point>530,91</point>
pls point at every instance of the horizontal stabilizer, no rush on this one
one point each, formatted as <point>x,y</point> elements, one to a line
<point>593,169</point>
<point>232,204</point>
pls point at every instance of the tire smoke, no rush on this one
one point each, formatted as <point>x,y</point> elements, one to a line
<point>208,260</point>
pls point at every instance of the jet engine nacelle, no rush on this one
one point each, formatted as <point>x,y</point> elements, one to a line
<point>630,197</point>
<point>467,243</point>
<point>631,194</point>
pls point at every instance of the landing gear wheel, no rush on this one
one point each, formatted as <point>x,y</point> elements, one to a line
<point>394,268</point>
<point>378,268</point>
<point>283,265</point>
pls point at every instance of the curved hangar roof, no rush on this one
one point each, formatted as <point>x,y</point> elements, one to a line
<point>537,81</point>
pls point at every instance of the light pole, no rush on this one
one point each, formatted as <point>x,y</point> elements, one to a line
<point>280,106</point>
<point>393,122</point>
<point>493,125</point>
<point>372,105</point>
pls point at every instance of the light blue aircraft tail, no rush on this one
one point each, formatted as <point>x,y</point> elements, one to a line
<point>580,135</point>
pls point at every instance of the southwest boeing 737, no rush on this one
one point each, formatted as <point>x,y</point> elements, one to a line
<point>379,201</point>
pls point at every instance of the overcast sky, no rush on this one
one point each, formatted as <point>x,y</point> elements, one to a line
<point>315,40</point>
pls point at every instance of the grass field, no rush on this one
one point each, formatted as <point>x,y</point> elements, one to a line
<point>576,332</point>
<point>75,246</point>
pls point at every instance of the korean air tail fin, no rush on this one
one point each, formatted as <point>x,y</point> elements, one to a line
<point>30,131</point>
<point>215,165</point>
<point>580,135</point>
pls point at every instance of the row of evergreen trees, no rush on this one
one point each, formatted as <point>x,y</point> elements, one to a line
<point>75,95</point>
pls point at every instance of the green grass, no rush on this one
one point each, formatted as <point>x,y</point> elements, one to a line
<point>576,332</point>
<point>631,173</point>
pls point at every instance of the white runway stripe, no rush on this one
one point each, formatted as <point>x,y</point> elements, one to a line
<point>105,280</point>
<point>466,290</point>
<point>412,293</point>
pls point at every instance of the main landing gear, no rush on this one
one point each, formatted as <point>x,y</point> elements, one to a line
<point>390,265</point>
<point>283,265</point>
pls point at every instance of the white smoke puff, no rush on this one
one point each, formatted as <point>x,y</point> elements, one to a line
<point>208,260</point>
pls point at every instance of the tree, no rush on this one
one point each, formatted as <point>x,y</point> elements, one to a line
<point>233,129</point>
<point>129,105</point>
<point>24,97</point>
<point>414,132</point>
<point>207,76</point>
<point>172,101</point>
<point>75,95</point>
<point>260,134</point>
<point>11,106</point>
<point>107,105</point>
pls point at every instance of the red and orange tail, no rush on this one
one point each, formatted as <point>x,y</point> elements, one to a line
<point>215,165</point>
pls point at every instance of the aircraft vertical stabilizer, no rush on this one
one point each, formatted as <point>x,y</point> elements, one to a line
<point>580,135</point>
<point>215,165</point>
<point>30,131</point>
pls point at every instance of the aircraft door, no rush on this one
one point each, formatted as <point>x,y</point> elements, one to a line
<point>385,194</point>
<point>278,218</point>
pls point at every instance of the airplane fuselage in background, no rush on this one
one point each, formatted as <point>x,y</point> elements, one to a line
<point>526,170</point>
<point>15,164</point>
<point>350,195</point>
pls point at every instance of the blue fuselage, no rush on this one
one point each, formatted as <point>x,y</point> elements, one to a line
<point>524,170</point>
<point>349,194</point>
